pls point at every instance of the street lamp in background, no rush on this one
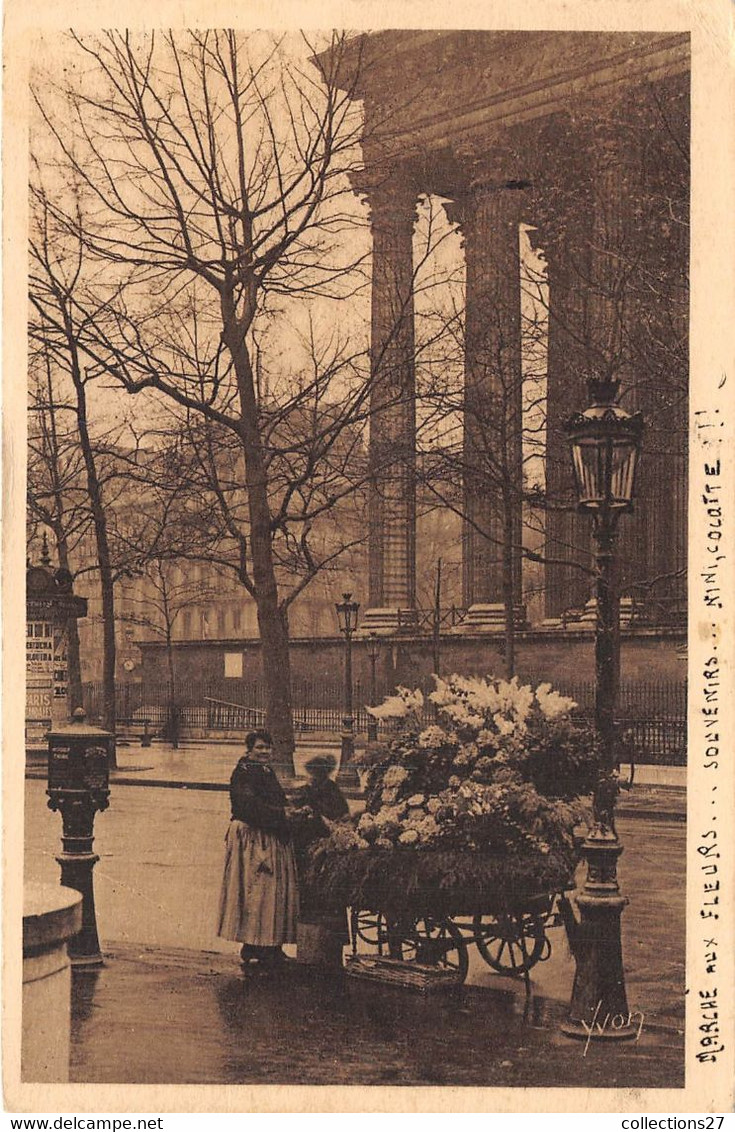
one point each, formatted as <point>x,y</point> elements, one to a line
<point>347,611</point>
<point>605,442</point>
<point>372,644</point>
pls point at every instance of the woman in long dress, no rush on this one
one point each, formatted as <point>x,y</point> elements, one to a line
<point>259,898</point>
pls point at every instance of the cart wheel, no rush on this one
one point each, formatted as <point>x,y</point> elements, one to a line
<point>512,942</point>
<point>371,928</point>
<point>437,942</point>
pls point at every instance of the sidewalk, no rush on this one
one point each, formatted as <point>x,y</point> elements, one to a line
<point>658,791</point>
<point>171,1006</point>
<point>135,1021</point>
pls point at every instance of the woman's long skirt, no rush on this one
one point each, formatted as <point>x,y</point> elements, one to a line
<point>259,901</point>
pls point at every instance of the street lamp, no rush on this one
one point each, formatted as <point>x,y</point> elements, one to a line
<point>372,644</point>
<point>347,611</point>
<point>605,442</point>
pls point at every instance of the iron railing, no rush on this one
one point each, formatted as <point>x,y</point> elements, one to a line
<point>652,714</point>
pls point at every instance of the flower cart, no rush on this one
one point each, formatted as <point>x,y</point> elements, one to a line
<point>429,906</point>
<point>470,833</point>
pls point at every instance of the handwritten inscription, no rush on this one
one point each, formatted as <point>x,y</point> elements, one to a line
<point>709,1026</point>
<point>600,1025</point>
<point>710,750</point>
<point>712,568</point>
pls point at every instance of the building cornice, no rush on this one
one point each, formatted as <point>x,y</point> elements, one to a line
<point>509,78</point>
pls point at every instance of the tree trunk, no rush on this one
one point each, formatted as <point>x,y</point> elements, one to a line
<point>74,667</point>
<point>74,663</point>
<point>107,588</point>
<point>109,710</point>
<point>509,552</point>
<point>173,707</point>
<point>276,667</point>
<point>73,659</point>
<point>509,595</point>
<point>272,622</point>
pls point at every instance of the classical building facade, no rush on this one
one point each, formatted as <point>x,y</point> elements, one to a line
<point>582,138</point>
<point>582,141</point>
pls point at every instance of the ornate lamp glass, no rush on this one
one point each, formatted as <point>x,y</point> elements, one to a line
<point>605,442</point>
<point>347,611</point>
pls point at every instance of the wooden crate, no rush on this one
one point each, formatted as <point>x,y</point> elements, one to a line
<point>401,973</point>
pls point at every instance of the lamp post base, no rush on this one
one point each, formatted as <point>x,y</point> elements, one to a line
<point>347,776</point>
<point>348,779</point>
<point>599,1006</point>
<point>76,872</point>
<point>85,962</point>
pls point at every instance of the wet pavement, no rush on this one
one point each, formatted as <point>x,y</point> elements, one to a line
<point>658,791</point>
<point>161,853</point>
<point>170,1004</point>
<point>152,1017</point>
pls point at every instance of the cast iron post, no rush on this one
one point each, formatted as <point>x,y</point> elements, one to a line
<point>372,643</point>
<point>347,611</point>
<point>78,778</point>
<point>605,443</point>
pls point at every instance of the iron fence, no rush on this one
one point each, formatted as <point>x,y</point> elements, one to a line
<point>652,714</point>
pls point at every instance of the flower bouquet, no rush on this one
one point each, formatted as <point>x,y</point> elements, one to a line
<point>481,806</point>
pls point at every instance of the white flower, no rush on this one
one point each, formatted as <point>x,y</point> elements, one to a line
<point>389,795</point>
<point>366,823</point>
<point>399,706</point>
<point>414,700</point>
<point>391,708</point>
<point>553,704</point>
<point>433,804</point>
<point>394,776</point>
<point>443,694</point>
<point>416,800</point>
<point>472,702</point>
<point>343,836</point>
<point>503,725</point>
<point>432,736</point>
<point>427,828</point>
<point>408,837</point>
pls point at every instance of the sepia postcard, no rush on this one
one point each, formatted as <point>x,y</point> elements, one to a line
<point>368,429</point>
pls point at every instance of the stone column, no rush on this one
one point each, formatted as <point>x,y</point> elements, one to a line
<point>392,507</point>
<point>615,252</point>
<point>659,341</point>
<point>613,180</point>
<point>565,238</point>
<point>489,216</point>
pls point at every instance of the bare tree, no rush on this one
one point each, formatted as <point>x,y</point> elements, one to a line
<point>55,274</point>
<point>213,166</point>
<point>110,501</point>
<point>56,496</point>
<point>165,594</point>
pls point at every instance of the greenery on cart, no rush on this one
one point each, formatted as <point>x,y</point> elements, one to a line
<point>503,773</point>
